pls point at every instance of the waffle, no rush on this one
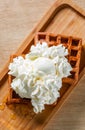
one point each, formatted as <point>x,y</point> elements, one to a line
<point>74,48</point>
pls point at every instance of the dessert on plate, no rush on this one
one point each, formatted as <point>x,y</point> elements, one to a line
<point>39,75</point>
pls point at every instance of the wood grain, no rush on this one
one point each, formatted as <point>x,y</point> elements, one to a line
<point>72,27</point>
<point>17,20</point>
<point>72,115</point>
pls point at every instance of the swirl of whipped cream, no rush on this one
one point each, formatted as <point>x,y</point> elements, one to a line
<point>39,75</point>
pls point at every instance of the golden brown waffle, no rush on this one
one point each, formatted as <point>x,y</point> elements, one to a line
<point>74,48</point>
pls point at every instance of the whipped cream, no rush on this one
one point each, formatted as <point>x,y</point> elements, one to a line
<point>39,75</point>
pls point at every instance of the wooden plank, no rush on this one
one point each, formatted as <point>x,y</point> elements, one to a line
<point>20,116</point>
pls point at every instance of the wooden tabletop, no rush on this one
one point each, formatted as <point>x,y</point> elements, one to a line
<point>17,19</point>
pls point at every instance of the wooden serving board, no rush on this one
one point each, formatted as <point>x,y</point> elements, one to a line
<point>65,18</point>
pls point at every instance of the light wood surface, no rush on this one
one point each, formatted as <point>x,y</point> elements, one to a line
<point>17,19</point>
<point>72,115</point>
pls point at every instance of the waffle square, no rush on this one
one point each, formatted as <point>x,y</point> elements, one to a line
<point>73,45</point>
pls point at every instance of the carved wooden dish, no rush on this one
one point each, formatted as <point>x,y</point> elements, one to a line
<point>65,18</point>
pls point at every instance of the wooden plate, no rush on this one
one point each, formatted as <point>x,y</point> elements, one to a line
<point>65,18</point>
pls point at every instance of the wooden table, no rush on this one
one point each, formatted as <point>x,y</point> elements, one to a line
<point>17,19</point>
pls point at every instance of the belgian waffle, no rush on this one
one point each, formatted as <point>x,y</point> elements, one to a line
<point>73,45</point>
